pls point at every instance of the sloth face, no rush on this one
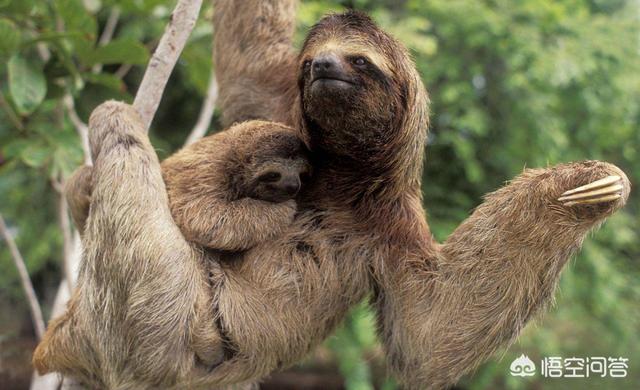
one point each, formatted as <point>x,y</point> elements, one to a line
<point>278,180</point>
<point>351,95</point>
<point>277,169</point>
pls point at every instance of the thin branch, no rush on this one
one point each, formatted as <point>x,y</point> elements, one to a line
<point>110,26</point>
<point>107,33</point>
<point>206,112</point>
<point>52,381</point>
<point>36,311</point>
<point>175,36</point>
<point>70,249</point>
<point>81,128</point>
<point>67,238</point>
<point>41,47</point>
<point>123,70</point>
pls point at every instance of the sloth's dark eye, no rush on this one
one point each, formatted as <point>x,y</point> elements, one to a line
<point>306,64</point>
<point>269,177</point>
<point>359,61</point>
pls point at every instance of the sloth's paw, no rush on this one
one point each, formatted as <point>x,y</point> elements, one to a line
<point>593,190</point>
<point>604,190</point>
<point>114,123</point>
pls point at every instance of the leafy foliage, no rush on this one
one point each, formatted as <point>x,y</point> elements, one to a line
<point>512,84</point>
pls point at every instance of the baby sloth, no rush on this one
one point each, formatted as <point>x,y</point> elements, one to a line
<point>229,191</point>
<point>235,189</point>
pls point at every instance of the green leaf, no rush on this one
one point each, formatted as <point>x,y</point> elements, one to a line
<point>13,148</point>
<point>17,7</point>
<point>10,38</point>
<point>27,84</point>
<point>78,20</point>
<point>196,62</point>
<point>121,51</point>
<point>105,79</point>
<point>35,155</point>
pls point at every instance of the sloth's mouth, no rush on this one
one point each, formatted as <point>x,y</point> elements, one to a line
<point>325,79</point>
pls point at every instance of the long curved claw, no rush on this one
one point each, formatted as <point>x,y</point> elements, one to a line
<point>600,191</point>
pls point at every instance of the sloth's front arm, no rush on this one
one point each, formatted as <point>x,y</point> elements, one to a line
<point>142,310</point>
<point>255,59</point>
<point>444,313</point>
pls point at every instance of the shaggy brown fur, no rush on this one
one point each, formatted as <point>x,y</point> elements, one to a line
<point>125,323</point>
<point>77,191</point>
<point>255,60</point>
<point>446,310</point>
<point>228,191</point>
<point>233,190</point>
<point>360,224</point>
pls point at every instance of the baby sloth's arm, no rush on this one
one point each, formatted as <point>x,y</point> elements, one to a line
<point>232,225</point>
<point>235,189</point>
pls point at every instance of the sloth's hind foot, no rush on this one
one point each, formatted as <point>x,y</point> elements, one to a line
<point>604,190</point>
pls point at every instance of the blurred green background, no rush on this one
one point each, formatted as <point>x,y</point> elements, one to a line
<point>512,84</point>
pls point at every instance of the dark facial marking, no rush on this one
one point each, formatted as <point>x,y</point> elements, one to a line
<point>279,180</point>
<point>270,177</point>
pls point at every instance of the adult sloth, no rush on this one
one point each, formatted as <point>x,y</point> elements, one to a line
<point>441,309</point>
<point>361,107</point>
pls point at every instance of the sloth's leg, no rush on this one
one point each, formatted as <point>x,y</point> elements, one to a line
<point>64,348</point>
<point>143,286</point>
<point>254,57</point>
<point>499,268</point>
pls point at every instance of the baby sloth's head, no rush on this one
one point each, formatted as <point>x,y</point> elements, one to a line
<point>277,169</point>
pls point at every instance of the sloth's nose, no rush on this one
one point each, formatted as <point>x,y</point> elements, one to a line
<point>290,185</point>
<point>325,62</point>
<point>327,66</point>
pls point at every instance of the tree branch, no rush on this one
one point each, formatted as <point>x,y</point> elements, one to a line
<point>52,381</point>
<point>81,128</point>
<point>67,241</point>
<point>107,33</point>
<point>36,311</point>
<point>123,70</point>
<point>175,36</point>
<point>110,26</point>
<point>146,102</point>
<point>206,112</point>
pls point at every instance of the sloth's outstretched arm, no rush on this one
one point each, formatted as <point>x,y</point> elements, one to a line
<point>142,293</point>
<point>254,58</point>
<point>499,268</point>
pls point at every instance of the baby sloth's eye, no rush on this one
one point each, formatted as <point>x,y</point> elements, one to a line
<point>306,64</point>
<point>269,177</point>
<point>359,61</point>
